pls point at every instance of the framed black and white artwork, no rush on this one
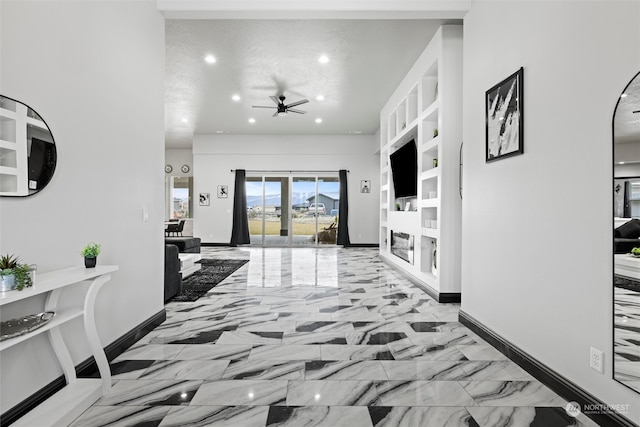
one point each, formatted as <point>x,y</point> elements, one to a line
<point>223,191</point>
<point>365,186</point>
<point>205,199</point>
<point>505,118</point>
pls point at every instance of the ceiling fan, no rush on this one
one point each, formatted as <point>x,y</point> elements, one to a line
<point>283,109</point>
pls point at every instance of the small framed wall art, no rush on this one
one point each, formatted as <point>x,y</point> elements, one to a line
<point>505,118</point>
<point>223,191</point>
<point>365,186</point>
<point>205,199</point>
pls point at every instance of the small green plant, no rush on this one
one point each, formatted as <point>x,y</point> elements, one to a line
<point>10,265</point>
<point>91,250</point>
<point>635,251</point>
<point>8,261</point>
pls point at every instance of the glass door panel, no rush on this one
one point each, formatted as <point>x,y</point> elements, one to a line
<point>303,221</point>
<point>276,222</point>
<point>255,209</point>
<point>328,203</point>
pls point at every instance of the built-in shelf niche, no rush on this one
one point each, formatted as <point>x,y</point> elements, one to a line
<point>430,86</point>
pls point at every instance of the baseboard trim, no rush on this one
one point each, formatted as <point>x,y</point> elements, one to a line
<point>83,369</point>
<point>442,297</point>
<point>556,382</point>
<point>363,245</point>
<point>215,244</point>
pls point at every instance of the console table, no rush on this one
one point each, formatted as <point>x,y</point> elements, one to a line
<point>79,393</point>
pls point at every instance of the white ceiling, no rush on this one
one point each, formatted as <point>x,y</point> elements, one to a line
<point>258,58</point>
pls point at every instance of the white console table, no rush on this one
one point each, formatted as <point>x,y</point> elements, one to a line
<point>79,393</point>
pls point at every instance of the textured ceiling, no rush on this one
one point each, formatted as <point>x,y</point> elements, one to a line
<point>260,58</point>
<point>627,123</point>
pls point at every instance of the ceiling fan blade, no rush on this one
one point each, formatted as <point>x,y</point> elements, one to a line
<point>294,110</point>
<point>302,101</point>
<point>275,99</point>
<point>275,114</point>
<point>262,106</point>
<point>637,111</point>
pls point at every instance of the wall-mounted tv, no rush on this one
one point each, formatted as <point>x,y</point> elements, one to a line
<point>404,170</point>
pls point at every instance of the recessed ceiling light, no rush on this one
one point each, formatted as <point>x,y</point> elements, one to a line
<point>236,97</point>
<point>323,59</point>
<point>210,59</point>
<point>252,120</point>
<point>320,98</point>
<point>318,120</point>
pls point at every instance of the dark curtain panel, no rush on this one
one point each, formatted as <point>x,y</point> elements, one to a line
<point>240,230</point>
<point>627,205</point>
<point>343,222</point>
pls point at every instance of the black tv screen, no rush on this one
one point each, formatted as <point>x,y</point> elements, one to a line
<point>42,161</point>
<point>404,170</point>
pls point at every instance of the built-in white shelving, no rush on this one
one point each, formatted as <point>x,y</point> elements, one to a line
<point>427,107</point>
<point>17,124</point>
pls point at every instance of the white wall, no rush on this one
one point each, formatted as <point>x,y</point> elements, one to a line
<point>537,265</point>
<point>215,155</point>
<point>178,158</point>
<point>95,72</point>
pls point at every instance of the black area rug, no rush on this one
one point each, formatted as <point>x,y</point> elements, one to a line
<point>213,271</point>
<point>626,283</point>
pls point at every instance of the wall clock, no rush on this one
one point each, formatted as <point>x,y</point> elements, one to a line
<point>185,168</point>
<point>168,168</point>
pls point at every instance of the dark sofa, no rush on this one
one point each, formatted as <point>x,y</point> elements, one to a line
<point>172,275</point>
<point>185,245</point>
<point>627,236</point>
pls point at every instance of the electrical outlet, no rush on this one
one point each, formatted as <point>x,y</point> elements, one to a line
<point>596,361</point>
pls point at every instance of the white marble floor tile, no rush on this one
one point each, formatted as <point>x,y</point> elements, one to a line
<point>425,370</point>
<point>151,352</point>
<point>285,352</point>
<point>319,416</point>
<point>216,416</point>
<point>428,416</point>
<point>121,416</point>
<point>423,393</point>
<point>344,370</point>
<point>265,370</point>
<point>214,352</point>
<point>511,393</point>
<point>332,393</point>
<point>241,392</point>
<point>185,370</point>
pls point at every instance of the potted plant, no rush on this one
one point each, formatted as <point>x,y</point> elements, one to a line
<point>90,254</point>
<point>13,274</point>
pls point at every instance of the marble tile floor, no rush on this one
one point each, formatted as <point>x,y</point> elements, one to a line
<point>319,337</point>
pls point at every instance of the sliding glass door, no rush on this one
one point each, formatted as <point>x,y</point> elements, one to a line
<point>293,210</point>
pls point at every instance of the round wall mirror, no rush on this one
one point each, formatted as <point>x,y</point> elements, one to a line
<point>27,150</point>
<point>626,237</point>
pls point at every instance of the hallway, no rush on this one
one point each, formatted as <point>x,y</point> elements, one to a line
<point>319,337</point>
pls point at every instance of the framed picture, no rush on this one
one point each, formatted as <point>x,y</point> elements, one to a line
<point>365,186</point>
<point>223,191</point>
<point>505,118</point>
<point>205,199</point>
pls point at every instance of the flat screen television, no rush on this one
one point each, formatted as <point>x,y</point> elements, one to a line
<point>42,162</point>
<point>404,170</point>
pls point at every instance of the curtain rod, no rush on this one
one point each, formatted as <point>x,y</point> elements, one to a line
<point>288,171</point>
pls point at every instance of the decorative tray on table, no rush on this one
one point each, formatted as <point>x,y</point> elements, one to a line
<point>16,327</point>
